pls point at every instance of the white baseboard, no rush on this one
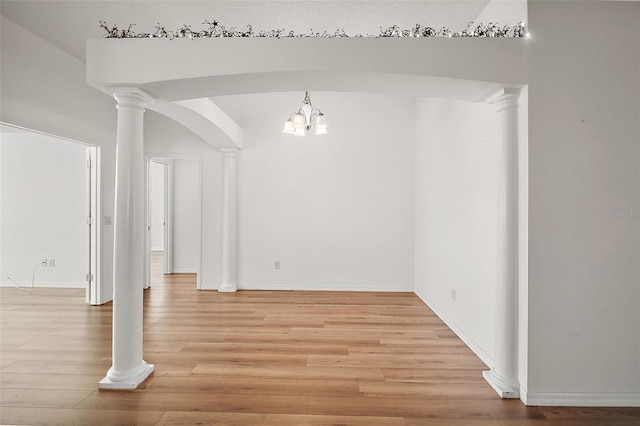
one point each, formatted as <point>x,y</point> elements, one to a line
<point>184,271</point>
<point>323,287</point>
<point>312,287</point>
<point>457,330</point>
<point>553,399</point>
<point>46,284</point>
<point>208,286</point>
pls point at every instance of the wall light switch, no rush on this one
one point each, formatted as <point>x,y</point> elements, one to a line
<point>277,264</point>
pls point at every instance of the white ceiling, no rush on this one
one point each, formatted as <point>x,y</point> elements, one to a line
<point>68,24</point>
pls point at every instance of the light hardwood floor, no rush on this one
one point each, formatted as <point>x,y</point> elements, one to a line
<point>255,358</point>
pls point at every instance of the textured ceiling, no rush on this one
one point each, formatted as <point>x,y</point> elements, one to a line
<point>68,24</point>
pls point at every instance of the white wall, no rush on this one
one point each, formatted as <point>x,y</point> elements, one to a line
<point>186,215</point>
<point>44,89</point>
<point>44,209</point>
<point>584,195</point>
<point>455,216</point>
<point>336,210</point>
<point>156,201</point>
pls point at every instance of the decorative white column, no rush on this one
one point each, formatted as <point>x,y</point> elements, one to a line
<point>229,222</point>
<point>503,377</point>
<point>128,369</point>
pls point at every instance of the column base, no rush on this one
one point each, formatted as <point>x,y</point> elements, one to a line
<point>228,288</point>
<point>128,379</point>
<point>507,389</point>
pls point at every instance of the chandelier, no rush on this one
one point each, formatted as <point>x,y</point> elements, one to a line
<point>307,118</point>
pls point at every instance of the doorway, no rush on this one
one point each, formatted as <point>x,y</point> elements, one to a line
<point>173,243</point>
<point>50,212</point>
<point>159,228</point>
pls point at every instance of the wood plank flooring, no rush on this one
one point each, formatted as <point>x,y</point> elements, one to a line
<point>254,358</point>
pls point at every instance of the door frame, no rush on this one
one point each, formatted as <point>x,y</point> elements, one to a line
<point>168,217</point>
<point>93,210</point>
<point>168,161</point>
<point>94,222</point>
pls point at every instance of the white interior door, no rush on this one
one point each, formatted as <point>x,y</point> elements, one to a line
<point>93,222</point>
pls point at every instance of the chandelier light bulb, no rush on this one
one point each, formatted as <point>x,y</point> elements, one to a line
<point>288,127</point>
<point>321,122</point>
<point>298,121</point>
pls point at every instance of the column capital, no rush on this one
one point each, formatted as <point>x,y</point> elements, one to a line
<point>229,152</point>
<point>130,97</point>
<point>505,97</point>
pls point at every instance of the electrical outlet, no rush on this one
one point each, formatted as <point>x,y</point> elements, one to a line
<point>44,262</point>
<point>107,220</point>
<point>52,262</point>
<point>277,265</point>
<point>453,294</point>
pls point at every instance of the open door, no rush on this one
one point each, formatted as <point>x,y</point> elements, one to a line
<point>159,214</point>
<point>93,222</point>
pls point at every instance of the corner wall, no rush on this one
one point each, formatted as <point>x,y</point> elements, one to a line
<point>455,217</point>
<point>584,199</point>
<point>335,210</point>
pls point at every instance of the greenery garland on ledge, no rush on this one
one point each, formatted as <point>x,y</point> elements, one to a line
<point>217,30</point>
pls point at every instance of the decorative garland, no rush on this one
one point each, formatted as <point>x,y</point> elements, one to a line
<point>217,30</point>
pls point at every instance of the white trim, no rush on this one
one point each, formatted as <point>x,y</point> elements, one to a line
<point>228,288</point>
<point>559,399</point>
<point>45,284</point>
<point>457,330</point>
<point>313,287</point>
<point>505,388</point>
<point>523,395</point>
<point>94,185</point>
